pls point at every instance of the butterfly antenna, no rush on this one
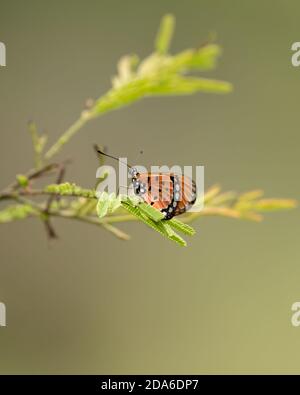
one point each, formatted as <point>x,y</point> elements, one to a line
<point>112,157</point>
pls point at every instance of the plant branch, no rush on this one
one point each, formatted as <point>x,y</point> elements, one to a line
<point>67,135</point>
<point>94,221</point>
<point>158,74</point>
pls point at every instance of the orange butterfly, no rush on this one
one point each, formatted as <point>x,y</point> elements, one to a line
<point>170,193</point>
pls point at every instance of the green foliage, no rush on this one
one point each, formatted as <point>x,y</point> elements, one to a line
<point>68,189</point>
<point>102,205</point>
<point>15,212</point>
<point>158,74</point>
<point>38,143</point>
<point>84,206</point>
<point>172,235</point>
<point>164,35</point>
<point>107,204</point>
<point>154,219</point>
<point>151,212</point>
<point>22,180</point>
<point>181,227</point>
<point>265,205</point>
<point>249,205</point>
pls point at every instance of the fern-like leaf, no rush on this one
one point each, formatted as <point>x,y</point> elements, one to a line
<point>180,226</point>
<point>151,212</point>
<point>160,226</point>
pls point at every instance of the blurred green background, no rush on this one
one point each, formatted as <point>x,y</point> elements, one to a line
<point>90,303</point>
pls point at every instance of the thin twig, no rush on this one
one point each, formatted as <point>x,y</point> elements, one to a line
<point>94,221</point>
<point>49,227</point>
<point>73,129</point>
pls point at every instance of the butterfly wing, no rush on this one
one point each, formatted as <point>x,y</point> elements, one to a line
<point>187,196</point>
<point>169,193</point>
<point>159,190</point>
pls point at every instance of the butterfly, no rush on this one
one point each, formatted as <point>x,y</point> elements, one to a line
<point>170,193</point>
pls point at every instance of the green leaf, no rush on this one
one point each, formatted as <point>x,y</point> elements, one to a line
<point>165,34</point>
<point>158,74</point>
<point>15,212</point>
<point>180,226</point>
<point>188,85</point>
<point>134,210</point>
<point>38,142</point>
<point>151,212</point>
<point>126,70</point>
<point>201,59</point>
<point>133,200</point>
<point>224,198</point>
<point>160,226</point>
<point>83,206</point>
<point>103,205</point>
<point>68,189</point>
<point>211,194</point>
<point>107,204</point>
<point>251,195</point>
<point>172,235</point>
<point>114,202</point>
<point>161,74</point>
<point>22,180</point>
<point>275,204</point>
